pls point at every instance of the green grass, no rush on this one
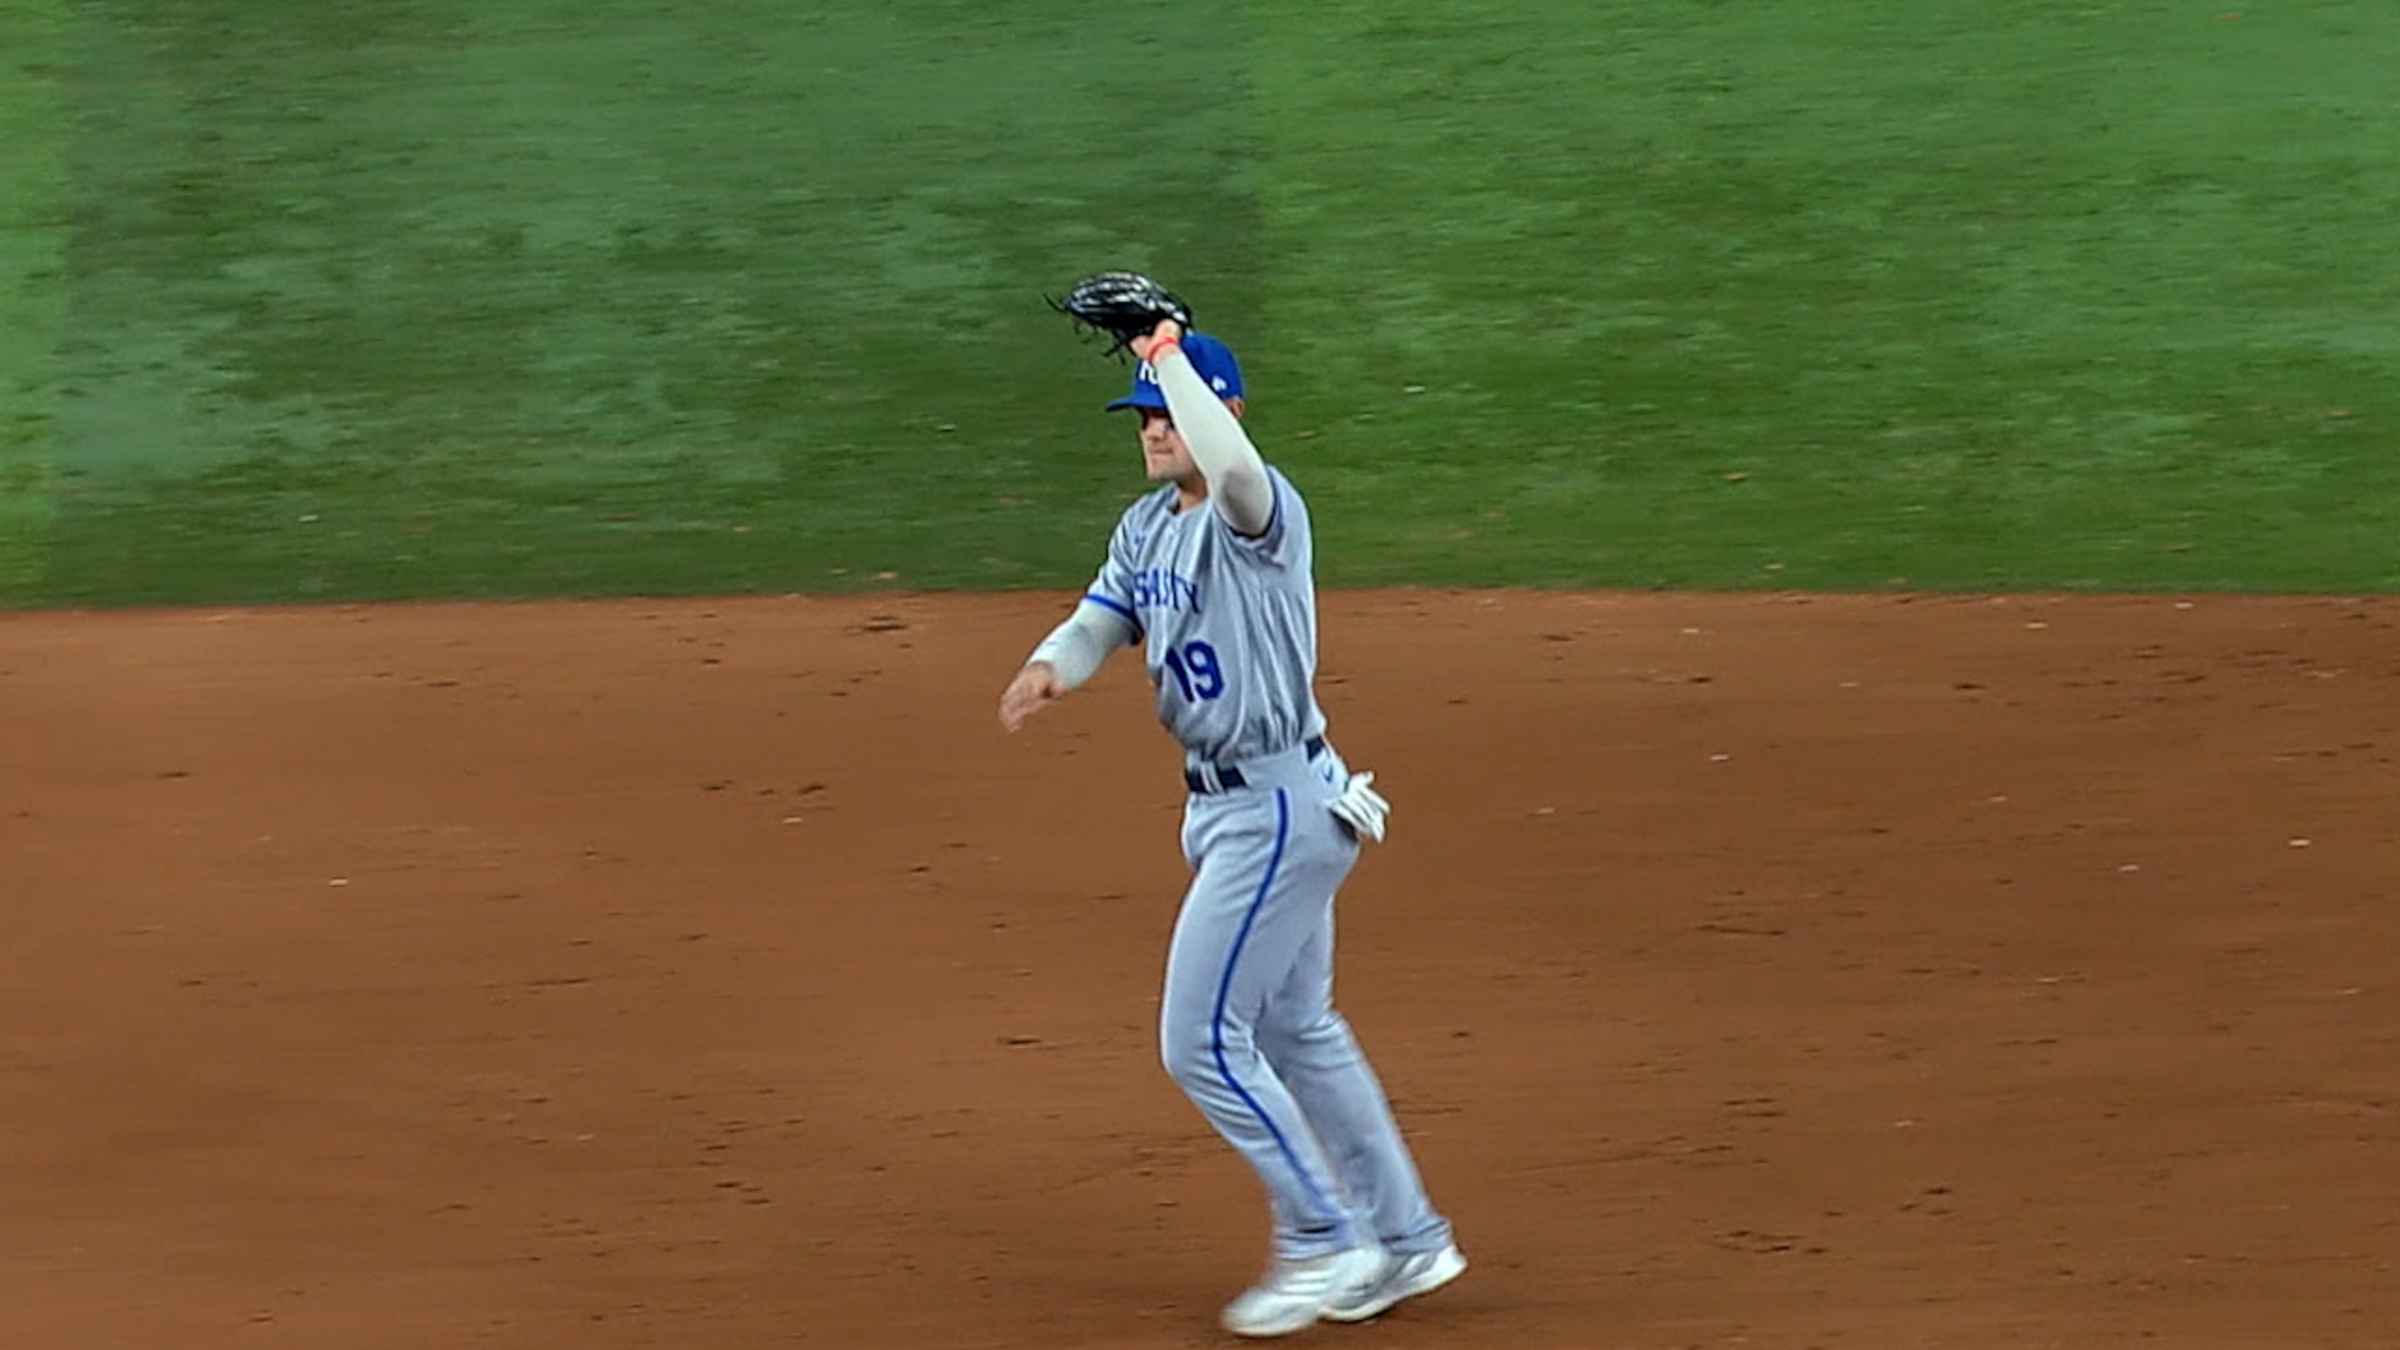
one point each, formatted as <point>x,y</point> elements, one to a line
<point>529,297</point>
<point>32,284</point>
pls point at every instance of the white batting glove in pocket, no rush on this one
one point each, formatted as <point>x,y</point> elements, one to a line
<point>1361,807</point>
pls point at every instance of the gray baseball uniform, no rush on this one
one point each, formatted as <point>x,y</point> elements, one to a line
<point>1247,1023</point>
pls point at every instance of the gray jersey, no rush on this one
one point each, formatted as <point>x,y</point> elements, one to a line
<point>1228,624</point>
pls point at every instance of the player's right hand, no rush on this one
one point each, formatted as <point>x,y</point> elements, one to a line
<point>1035,686</point>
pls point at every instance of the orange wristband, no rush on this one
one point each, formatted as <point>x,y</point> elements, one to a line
<point>1158,351</point>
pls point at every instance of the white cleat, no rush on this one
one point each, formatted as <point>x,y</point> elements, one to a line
<point>1398,1277</point>
<point>1295,1293</point>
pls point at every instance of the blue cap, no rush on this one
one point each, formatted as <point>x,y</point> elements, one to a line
<point>1213,359</point>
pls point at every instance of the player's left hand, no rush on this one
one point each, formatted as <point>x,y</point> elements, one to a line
<point>1361,807</point>
<point>1035,687</point>
<point>1167,331</point>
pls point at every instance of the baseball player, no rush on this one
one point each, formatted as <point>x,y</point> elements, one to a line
<point>1212,574</point>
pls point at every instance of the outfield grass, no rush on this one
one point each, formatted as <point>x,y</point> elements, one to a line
<point>32,285</point>
<point>526,297</point>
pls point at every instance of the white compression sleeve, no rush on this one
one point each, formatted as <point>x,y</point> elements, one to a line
<point>1081,642</point>
<point>1237,477</point>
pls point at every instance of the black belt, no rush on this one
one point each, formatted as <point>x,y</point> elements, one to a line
<point>1232,778</point>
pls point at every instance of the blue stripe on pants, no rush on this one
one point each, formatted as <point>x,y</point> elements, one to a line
<point>1283,825</point>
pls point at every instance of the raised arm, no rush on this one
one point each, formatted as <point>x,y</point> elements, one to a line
<point>1237,477</point>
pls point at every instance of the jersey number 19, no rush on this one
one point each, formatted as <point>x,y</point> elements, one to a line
<point>1196,671</point>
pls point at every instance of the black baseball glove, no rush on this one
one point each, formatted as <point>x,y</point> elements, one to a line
<point>1124,305</point>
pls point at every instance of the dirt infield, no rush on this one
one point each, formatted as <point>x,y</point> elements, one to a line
<point>1765,971</point>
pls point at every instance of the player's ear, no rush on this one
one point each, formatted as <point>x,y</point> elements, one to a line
<point>1235,403</point>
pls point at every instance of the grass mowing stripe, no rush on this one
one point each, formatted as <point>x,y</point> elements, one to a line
<point>2047,295</point>
<point>33,227</point>
<point>520,298</point>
